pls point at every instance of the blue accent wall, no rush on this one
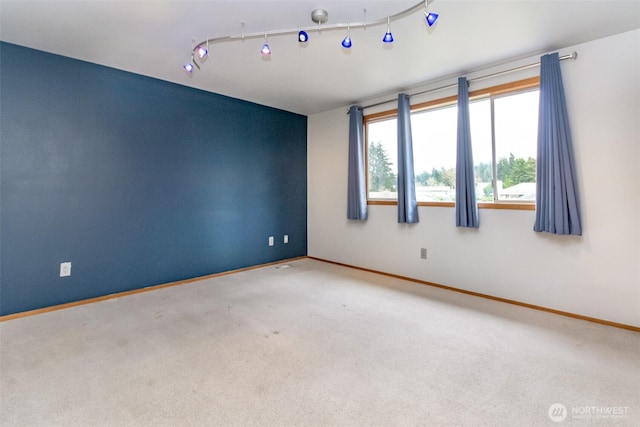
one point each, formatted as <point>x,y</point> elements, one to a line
<point>136,181</point>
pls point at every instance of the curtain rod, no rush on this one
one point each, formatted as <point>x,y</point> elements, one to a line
<point>572,55</point>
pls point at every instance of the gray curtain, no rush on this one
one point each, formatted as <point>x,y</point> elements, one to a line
<point>466,206</point>
<point>356,191</point>
<point>407,204</point>
<point>557,203</point>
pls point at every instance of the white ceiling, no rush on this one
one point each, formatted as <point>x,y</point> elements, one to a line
<point>154,38</point>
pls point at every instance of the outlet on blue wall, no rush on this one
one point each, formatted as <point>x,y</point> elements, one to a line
<point>136,181</point>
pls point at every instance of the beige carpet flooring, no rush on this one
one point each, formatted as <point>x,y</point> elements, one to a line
<point>314,344</point>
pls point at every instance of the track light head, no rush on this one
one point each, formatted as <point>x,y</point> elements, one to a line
<point>303,37</point>
<point>346,42</point>
<point>189,66</point>
<point>202,51</point>
<point>266,50</point>
<point>388,37</point>
<point>431,17</point>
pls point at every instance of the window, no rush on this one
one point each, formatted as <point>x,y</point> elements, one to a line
<point>435,163</point>
<point>504,123</point>
<point>516,134</point>
<point>382,155</point>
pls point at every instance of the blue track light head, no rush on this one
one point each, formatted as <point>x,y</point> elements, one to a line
<point>189,66</point>
<point>431,18</point>
<point>388,37</point>
<point>303,37</point>
<point>346,42</point>
<point>266,50</point>
<point>202,51</point>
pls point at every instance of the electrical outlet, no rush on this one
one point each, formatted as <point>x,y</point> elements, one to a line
<point>423,253</point>
<point>65,269</point>
<point>271,243</point>
<point>286,239</point>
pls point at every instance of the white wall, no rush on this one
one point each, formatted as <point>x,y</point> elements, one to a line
<point>596,275</point>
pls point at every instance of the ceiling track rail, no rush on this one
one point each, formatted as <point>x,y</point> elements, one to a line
<point>320,27</point>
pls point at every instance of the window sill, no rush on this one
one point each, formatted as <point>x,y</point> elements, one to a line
<point>482,205</point>
<point>508,205</point>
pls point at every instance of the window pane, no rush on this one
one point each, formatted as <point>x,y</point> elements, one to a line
<point>382,153</point>
<point>434,153</point>
<point>516,131</point>
<point>480,117</point>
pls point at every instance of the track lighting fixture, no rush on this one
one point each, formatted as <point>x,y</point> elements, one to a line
<point>388,37</point>
<point>319,17</point>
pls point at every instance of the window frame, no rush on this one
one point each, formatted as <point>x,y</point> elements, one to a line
<point>493,91</point>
